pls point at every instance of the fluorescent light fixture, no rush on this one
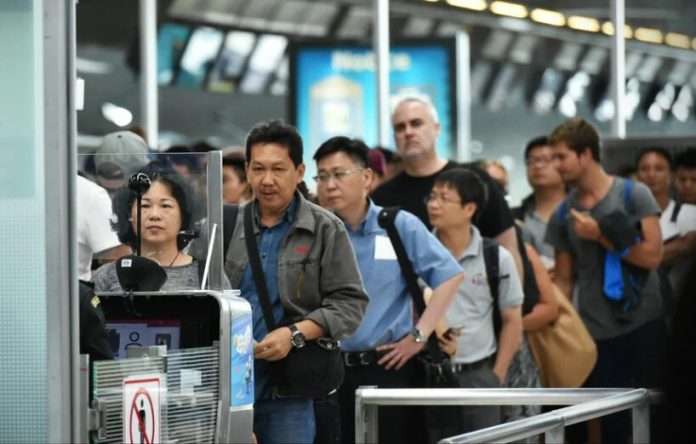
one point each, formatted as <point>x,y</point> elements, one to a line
<point>581,23</point>
<point>648,35</point>
<point>548,17</point>
<point>268,53</point>
<point>680,109</point>
<point>509,9</point>
<point>118,115</point>
<point>431,1</point>
<point>608,29</point>
<point>678,40</point>
<point>476,5</point>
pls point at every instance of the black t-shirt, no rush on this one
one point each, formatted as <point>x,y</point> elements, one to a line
<point>409,193</point>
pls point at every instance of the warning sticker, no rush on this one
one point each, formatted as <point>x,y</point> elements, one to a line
<point>141,408</point>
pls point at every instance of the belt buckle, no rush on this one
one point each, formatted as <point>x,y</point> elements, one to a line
<point>364,358</point>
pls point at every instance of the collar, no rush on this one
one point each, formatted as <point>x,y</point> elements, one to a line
<point>369,225</point>
<point>475,244</point>
<point>287,216</point>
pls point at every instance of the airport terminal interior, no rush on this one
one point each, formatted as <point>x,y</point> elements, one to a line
<point>111,96</point>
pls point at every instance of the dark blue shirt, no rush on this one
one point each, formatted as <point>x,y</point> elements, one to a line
<point>269,243</point>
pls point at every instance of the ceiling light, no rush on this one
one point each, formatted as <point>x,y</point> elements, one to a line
<point>678,40</point>
<point>648,35</point>
<point>548,17</point>
<point>476,5</point>
<point>118,115</point>
<point>431,1</point>
<point>581,23</point>
<point>608,29</point>
<point>509,9</point>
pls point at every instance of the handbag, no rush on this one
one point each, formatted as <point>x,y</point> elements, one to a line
<point>564,350</point>
<point>434,366</point>
<point>312,371</point>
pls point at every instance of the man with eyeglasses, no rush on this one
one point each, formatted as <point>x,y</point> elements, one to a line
<point>312,278</point>
<point>416,129</point>
<point>380,352</point>
<point>548,191</point>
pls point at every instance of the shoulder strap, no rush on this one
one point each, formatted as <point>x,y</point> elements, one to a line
<point>257,269</point>
<point>628,192</point>
<point>386,219</point>
<point>492,262</point>
<point>675,212</point>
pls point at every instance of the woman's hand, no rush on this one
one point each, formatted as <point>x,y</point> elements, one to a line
<point>275,346</point>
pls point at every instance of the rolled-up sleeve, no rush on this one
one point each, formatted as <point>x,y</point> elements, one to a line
<point>344,299</point>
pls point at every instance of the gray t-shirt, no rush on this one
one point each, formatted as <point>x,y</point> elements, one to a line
<point>472,308</point>
<point>183,277</point>
<point>594,308</point>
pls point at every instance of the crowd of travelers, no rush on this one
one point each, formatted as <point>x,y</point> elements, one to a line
<point>470,277</point>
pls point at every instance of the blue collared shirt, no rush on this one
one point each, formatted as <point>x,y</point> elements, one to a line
<point>269,243</point>
<point>389,315</point>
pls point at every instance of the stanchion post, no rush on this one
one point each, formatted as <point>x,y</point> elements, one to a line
<point>640,416</point>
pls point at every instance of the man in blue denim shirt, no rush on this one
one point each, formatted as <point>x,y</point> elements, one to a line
<point>314,285</point>
<point>380,352</point>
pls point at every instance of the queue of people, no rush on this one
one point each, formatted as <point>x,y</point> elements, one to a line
<point>330,272</point>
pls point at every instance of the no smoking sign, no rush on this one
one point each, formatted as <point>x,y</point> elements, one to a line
<point>141,409</point>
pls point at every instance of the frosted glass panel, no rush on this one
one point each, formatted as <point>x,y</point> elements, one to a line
<point>23,375</point>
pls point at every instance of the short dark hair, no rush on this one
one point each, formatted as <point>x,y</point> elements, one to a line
<point>276,131</point>
<point>578,134</point>
<point>181,191</point>
<point>469,186</point>
<point>535,143</point>
<point>237,164</point>
<point>353,148</point>
<point>656,150</point>
<point>686,159</point>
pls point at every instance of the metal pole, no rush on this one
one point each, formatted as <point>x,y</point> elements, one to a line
<point>618,68</point>
<point>463,96</point>
<point>148,71</point>
<point>555,435</point>
<point>380,34</point>
<point>640,415</point>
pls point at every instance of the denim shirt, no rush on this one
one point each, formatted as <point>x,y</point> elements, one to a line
<point>269,243</point>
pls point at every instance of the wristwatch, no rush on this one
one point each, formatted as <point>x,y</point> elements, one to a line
<point>418,336</point>
<point>297,337</point>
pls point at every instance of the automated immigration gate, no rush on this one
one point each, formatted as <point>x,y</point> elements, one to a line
<point>192,379</point>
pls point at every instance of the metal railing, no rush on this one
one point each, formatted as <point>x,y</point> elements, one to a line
<point>584,404</point>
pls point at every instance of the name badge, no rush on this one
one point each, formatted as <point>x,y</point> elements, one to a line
<point>384,249</point>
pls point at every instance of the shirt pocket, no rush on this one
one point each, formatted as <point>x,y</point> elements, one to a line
<point>302,281</point>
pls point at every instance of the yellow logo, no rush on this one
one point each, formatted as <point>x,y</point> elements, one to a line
<point>95,301</point>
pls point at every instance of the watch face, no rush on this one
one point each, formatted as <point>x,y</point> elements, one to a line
<point>298,340</point>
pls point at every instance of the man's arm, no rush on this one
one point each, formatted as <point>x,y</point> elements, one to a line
<point>509,340</point>
<point>564,276</point>
<point>508,239</point>
<point>398,353</point>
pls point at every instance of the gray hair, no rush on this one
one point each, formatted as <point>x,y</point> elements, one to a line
<point>422,99</point>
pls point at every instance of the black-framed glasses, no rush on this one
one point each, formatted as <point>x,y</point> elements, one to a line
<point>539,160</point>
<point>441,199</point>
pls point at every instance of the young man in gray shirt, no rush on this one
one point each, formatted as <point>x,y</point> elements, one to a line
<point>629,342</point>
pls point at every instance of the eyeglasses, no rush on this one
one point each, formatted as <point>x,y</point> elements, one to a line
<point>339,175</point>
<point>541,160</point>
<point>440,199</point>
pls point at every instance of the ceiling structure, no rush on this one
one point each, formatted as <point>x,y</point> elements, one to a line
<point>512,59</point>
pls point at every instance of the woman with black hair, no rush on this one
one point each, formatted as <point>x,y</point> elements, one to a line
<point>167,221</point>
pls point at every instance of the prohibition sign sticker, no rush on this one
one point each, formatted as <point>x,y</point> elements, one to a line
<point>141,409</point>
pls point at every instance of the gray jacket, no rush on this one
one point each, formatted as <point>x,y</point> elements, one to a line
<point>317,270</point>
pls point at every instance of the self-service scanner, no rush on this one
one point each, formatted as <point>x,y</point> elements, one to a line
<point>183,368</point>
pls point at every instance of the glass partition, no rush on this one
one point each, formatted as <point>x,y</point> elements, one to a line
<point>193,180</point>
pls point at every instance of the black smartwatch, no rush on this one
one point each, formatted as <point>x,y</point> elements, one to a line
<point>297,338</point>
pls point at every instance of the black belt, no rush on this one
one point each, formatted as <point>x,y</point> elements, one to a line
<point>487,361</point>
<point>354,359</point>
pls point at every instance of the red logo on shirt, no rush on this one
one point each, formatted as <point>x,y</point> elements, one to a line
<point>301,249</point>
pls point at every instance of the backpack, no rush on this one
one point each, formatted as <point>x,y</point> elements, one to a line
<point>491,259</point>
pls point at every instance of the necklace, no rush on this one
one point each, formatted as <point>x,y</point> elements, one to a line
<point>177,255</point>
